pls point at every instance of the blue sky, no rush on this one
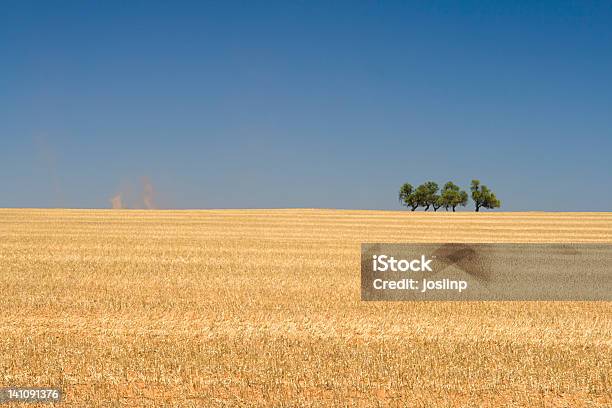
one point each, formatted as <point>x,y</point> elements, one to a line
<point>304,104</point>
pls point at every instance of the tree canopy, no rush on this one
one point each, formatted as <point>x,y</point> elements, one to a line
<point>451,196</point>
<point>483,197</point>
<point>426,194</point>
<point>406,196</point>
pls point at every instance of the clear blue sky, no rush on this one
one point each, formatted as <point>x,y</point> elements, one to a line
<point>304,104</point>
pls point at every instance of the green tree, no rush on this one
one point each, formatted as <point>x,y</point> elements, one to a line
<point>426,195</point>
<point>452,196</point>
<point>437,203</point>
<point>483,197</point>
<point>407,196</point>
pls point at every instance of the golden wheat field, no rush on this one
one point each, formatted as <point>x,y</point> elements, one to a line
<point>262,308</point>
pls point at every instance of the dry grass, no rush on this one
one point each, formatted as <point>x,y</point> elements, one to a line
<point>261,308</point>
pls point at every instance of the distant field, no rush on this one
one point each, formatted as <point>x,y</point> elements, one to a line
<point>261,308</point>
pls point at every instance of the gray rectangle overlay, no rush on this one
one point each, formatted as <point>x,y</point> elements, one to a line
<point>473,272</point>
<point>30,394</point>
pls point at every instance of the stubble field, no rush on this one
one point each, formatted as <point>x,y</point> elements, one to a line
<point>262,308</point>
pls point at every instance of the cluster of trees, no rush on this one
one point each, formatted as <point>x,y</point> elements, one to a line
<point>428,195</point>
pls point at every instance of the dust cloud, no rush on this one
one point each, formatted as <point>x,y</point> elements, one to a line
<point>143,199</point>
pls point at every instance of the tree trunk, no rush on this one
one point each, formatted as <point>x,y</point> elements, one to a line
<point>427,208</point>
<point>453,208</point>
<point>477,208</point>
